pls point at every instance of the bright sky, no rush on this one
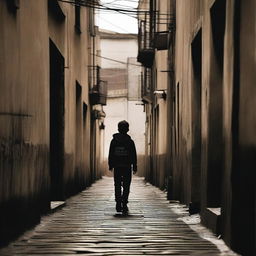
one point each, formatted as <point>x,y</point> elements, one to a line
<point>114,21</point>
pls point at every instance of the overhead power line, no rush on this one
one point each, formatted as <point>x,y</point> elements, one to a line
<point>118,61</point>
<point>115,25</point>
<point>98,6</point>
<point>122,9</point>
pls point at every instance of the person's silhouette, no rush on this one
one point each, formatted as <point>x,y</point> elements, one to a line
<point>123,159</point>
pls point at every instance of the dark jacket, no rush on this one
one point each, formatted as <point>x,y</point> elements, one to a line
<point>122,152</point>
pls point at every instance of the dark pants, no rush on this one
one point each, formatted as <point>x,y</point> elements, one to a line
<point>122,178</point>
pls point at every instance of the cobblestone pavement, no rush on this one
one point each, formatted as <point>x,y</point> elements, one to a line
<point>89,225</point>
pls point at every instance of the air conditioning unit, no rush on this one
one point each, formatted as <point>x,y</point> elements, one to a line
<point>162,40</point>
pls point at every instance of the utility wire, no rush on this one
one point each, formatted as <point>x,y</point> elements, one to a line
<point>123,10</point>
<point>131,13</point>
<point>118,61</point>
<point>101,18</point>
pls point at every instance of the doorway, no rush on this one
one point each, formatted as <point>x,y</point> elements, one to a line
<point>56,122</point>
<point>79,124</point>
<point>215,142</point>
<point>196,52</point>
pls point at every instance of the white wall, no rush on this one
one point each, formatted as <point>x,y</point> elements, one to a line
<point>116,111</point>
<point>119,50</point>
<point>119,108</point>
<point>134,79</point>
<point>137,118</point>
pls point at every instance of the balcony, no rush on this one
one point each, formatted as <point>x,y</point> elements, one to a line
<point>98,94</point>
<point>98,88</point>
<point>146,51</point>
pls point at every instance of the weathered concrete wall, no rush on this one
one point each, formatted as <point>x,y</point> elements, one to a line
<point>199,93</point>
<point>243,171</point>
<point>215,73</point>
<point>161,66</point>
<point>184,104</point>
<point>199,110</point>
<point>24,119</point>
<point>148,143</point>
<point>74,47</point>
<point>31,38</point>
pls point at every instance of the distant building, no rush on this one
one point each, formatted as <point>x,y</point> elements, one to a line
<point>123,73</point>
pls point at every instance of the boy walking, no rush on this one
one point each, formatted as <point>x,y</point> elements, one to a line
<point>123,159</point>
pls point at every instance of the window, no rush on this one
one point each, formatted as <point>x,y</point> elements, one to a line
<point>77,17</point>
<point>13,5</point>
<point>215,120</point>
<point>56,10</point>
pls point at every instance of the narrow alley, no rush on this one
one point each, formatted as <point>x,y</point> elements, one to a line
<point>88,224</point>
<point>163,89</point>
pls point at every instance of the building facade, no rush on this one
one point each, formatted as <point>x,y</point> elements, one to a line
<point>153,20</point>
<point>48,127</point>
<point>209,100</point>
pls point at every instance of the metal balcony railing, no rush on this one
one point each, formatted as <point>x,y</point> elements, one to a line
<point>98,88</point>
<point>94,76</point>
<point>144,36</point>
<point>146,51</point>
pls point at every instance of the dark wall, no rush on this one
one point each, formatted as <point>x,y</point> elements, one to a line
<point>227,175</point>
<point>24,119</point>
<point>244,163</point>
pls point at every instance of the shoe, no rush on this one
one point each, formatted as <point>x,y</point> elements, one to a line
<point>125,209</point>
<point>119,207</point>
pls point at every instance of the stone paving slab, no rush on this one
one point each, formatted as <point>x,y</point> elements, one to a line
<point>89,225</point>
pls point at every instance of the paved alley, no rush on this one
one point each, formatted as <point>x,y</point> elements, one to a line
<point>88,224</point>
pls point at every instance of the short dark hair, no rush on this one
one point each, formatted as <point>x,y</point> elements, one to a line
<point>123,126</point>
